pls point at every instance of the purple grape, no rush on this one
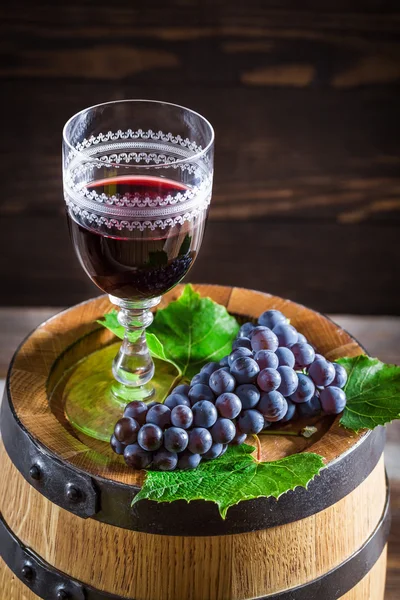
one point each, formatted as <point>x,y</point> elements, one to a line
<point>301,339</point>
<point>136,457</point>
<point>182,389</point>
<point>322,372</point>
<point>246,330</point>
<point>150,437</point>
<point>285,357</point>
<point>187,460</point>
<point>126,430</point>
<point>222,381</point>
<point>251,421</point>
<point>305,390</point>
<point>223,431</point>
<point>242,342</point>
<point>248,395</point>
<point>200,391</point>
<point>245,369</point>
<point>270,318</point>
<point>272,406</point>
<point>264,339</point>
<point>224,362</point>
<point>309,409</point>
<point>165,460</point>
<point>137,410</point>
<point>269,380</point>
<point>204,414</point>
<point>304,354</point>
<point>340,378</point>
<point>200,378</point>
<point>239,438</point>
<point>237,354</point>
<point>289,381</point>
<point>214,452</point>
<point>182,416</point>
<point>117,446</point>
<point>286,334</point>
<point>266,359</point>
<point>333,400</point>
<point>200,440</point>
<point>209,368</point>
<point>228,405</point>
<point>291,411</point>
<point>160,415</point>
<point>176,439</point>
<point>175,399</point>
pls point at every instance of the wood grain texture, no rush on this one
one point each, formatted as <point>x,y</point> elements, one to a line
<point>154,567</point>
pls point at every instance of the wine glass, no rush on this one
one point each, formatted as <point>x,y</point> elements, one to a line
<point>137,178</point>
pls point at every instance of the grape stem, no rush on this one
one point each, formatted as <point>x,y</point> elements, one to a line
<point>258,444</point>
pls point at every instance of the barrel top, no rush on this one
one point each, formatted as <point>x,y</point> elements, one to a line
<point>41,364</point>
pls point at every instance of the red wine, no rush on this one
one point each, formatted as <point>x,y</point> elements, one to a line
<point>137,264</point>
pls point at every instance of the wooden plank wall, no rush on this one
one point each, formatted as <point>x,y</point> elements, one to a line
<point>304,96</point>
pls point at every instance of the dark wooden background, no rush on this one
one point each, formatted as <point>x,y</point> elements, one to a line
<point>304,96</point>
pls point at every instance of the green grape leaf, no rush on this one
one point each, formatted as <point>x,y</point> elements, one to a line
<point>373,393</point>
<point>193,331</point>
<point>110,321</point>
<point>234,477</point>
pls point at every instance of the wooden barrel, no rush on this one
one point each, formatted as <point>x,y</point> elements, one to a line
<point>67,530</point>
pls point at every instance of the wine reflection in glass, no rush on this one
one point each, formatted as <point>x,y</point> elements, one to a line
<point>137,178</point>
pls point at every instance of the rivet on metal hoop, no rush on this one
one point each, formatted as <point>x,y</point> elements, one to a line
<point>74,494</point>
<point>28,573</point>
<point>35,472</point>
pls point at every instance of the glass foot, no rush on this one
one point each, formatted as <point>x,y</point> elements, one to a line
<point>94,401</point>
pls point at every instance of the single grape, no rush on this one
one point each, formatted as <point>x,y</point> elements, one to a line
<point>224,449</point>
<point>176,439</point>
<point>312,408</point>
<point>245,369</point>
<point>305,390</point>
<point>269,380</point>
<point>223,431</point>
<point>239,438</point>
<point>126,430</point>
<point>150,437</point>
<point>227,369</point>
<point>151,404</point>
<point>267,423</point>
<point>322,372</point>
<point>175,399</point>
<point>251,421</point>
<point>200,391</point>
<point>228,405</point>
<point>182,389</point>
<point>301,339</point>
<point>266,359</point>
<point>333,400</point>
<point>242,342</point>
<point>136,457</point>
<point>304,355</point>
<point>248,395</point>
<point>165,460</point>
<point>200,378</point>
<point>286,334</point>
<point>270,318</point>
<point>182,416</point>
<point>222,381</point>
<point>272,406</point>
<point>224,362</point>
<point>117,446</point>
<point>237,353</point>
<point>246,330</point>
<point>285,357</point>
<point>160,415</point>
<point>319,356</point>
<point>200,440</point>
<point>340,378</point>
<point>187,460</point>
<point>291,411</point>
<point>264,340</point>
<point>204,414</point>
<point>210,368</point>
<point>214,452</point>
<point>289,381</point>
<point>137,410</point>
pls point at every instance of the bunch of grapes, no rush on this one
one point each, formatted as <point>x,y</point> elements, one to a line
<point>272,375</point>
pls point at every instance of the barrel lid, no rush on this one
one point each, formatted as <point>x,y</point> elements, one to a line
<point>85,477</point>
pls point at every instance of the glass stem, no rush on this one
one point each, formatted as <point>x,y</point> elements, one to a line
<point>133,367</point>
